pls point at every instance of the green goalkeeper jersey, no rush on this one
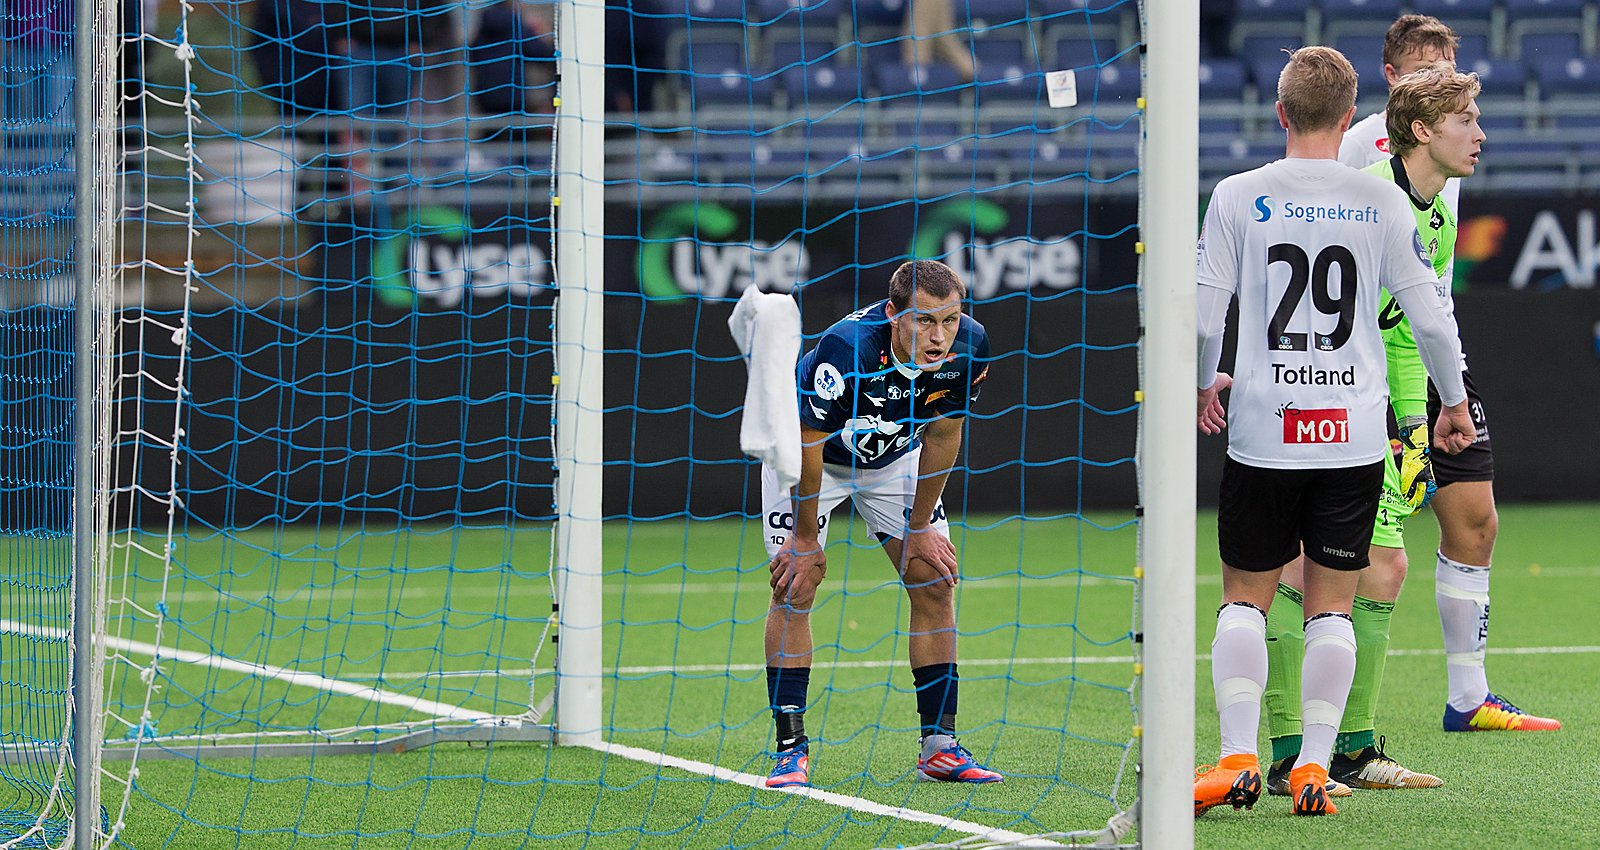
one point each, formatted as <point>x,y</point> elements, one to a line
<point>1408,380</point>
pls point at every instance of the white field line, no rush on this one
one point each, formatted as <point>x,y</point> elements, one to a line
<point>877,664</point>
<point>446,711</point>
<point>757,583</point>
<point>370,589</point>
<point>265,671</point>
<point>842,800</point>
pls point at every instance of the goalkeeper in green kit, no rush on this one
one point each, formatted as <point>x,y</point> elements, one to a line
<point>1433,135</point>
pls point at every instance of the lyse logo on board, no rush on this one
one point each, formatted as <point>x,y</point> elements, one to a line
<point>1326,425</point>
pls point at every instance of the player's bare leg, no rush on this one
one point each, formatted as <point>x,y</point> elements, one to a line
<point>788,636</point>
<point>1468,521</point>
<point>933,670</point>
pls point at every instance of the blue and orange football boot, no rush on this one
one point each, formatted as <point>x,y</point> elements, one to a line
<point>953,763</point>
<point>791,770</point>
<point>1235,781</point>
<point>1496,715</point>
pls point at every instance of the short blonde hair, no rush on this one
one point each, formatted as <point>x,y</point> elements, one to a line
<point>1426,95</point>
<point>1316,88</point>
<point>1418,34</point>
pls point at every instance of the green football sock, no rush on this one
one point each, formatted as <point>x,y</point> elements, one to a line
<point>1286,643</point>
<point>1371,618</point>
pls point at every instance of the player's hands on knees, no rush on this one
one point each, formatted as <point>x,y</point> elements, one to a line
<point>933,548</point>
<point>798,557</point>
<point>1211,416</point>
<point>1454,430</point>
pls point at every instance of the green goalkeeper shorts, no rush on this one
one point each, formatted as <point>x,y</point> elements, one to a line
<point>1389,528</point>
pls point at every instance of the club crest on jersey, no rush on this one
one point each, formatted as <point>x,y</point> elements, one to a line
<point>1321,425</point>
<point>1383,145</point>
<point>1435,219</point>
<point>828,383</point>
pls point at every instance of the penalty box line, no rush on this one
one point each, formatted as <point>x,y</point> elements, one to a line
<point>446,711</point>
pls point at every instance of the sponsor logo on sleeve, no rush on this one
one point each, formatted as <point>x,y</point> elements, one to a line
<point>828,383</point>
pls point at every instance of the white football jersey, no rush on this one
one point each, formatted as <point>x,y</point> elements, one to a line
<point>1305,245</point>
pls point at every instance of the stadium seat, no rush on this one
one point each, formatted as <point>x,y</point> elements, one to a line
<point>1221,79</point>
<point>791,49</point>
<point>1365,52</point>
<point>994,13</point>
<point>1083,52</point>
<point>731,86</point>
<point>1467,17</point>
<point>1281,19</point>
<point>1570,76</point>
<point>882,13</point>
<point>717,54</point>
<point>812,14</point>
<point>1115,84</point>
<point>813,86</point>
<point>1344,18</point>
<point>1562,20</point>
<point>1500,77</point>
<point>1455,12</point>
<point>1002,57</point>
<point>1265,57</point>
<point>1539,46</point>
<point>1471,49</point>
<point>902,86</point>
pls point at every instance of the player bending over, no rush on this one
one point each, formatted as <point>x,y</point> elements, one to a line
<point>882,398</point>
<point>1305,244</point>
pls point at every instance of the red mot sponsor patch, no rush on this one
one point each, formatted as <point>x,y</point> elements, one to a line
<point>1327,425</point>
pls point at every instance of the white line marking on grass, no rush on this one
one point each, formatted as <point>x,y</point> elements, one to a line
<point>843,800</point>
<point>875,664</point>
<point>266,671</point>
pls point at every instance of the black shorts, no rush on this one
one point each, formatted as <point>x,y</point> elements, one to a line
<point>1476,462</point>
<point>1266,515</point>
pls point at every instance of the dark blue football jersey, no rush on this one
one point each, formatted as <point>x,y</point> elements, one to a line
<point>875,409</point>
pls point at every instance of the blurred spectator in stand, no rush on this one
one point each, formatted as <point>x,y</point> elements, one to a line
<point>390,45</point>
<point>1216,21</point>
<point>37,61</point>
<point>636,55</point>
<point>295,47</point>
<point>503,82</point>
<point>931,36</point>
<point>512,62</point>
<point>299,51</point>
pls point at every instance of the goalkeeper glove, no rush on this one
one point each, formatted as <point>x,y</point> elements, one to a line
<point>1413,459</point>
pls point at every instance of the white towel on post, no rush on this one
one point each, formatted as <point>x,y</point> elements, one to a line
<point>767,328</point>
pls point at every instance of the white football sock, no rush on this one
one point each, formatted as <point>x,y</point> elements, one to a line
<point>1462,593</point>
<point>1238,673</point>
<point>1325,674</point>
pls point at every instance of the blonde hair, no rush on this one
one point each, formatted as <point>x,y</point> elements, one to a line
<point>1316,88</point>
<point>1418,34</point>
<point>1426,95</point>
